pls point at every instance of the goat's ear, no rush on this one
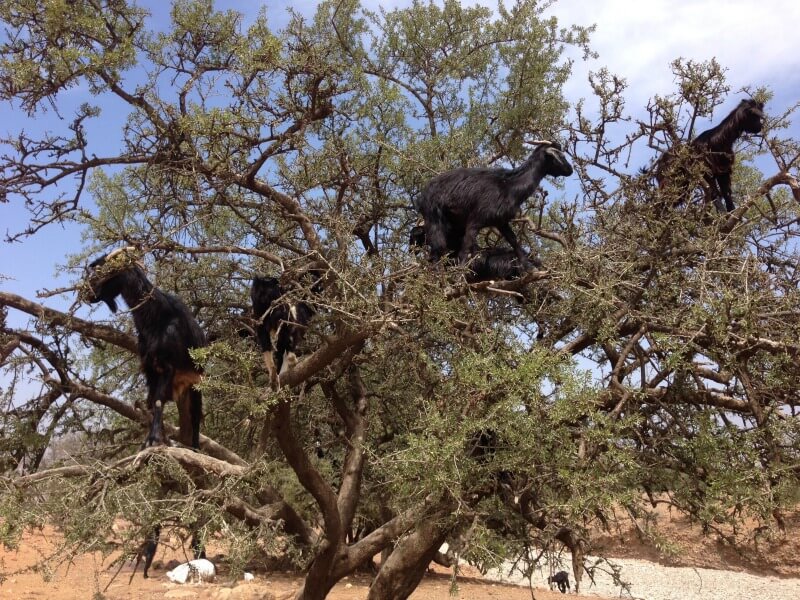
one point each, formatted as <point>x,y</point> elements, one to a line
<point>555,153</point>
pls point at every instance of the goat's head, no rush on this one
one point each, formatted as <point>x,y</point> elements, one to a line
<point>263,292</point>
<point>417,237</point>
<point>556,163</point>
<point>751,115</point>
<point>102,281</point>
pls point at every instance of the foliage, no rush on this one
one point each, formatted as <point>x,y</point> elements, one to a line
<point>654,357</point>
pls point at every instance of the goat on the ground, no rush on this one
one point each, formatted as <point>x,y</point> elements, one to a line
<point>459,203</point>
<point>561,579</point>
<point>713,151</point>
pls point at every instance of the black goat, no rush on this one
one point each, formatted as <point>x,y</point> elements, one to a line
<point>561,579</point>
<point>494,264</point>
<point>457,204</point>
<point>453,238</point>
<point>489,264</point>
<point>281,325</point>
<point>713,149</point>
<point>166,330</point>
<point>148,550</point>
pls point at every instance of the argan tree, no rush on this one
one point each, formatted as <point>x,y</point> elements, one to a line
<point>652,359</point>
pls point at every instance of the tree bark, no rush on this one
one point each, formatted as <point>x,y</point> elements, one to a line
<point>401,573</point>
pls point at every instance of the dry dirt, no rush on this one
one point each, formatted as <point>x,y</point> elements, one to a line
<point>87,575</point>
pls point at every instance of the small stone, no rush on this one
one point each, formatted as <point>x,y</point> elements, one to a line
<point>348,586</point>
<point>251,591</point>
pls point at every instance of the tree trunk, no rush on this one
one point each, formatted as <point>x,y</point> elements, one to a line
<point>401,573</point>
<point>320,578</point>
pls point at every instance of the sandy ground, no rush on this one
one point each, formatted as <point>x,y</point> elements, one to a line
<point>87,575</point>
<point>701,568</point>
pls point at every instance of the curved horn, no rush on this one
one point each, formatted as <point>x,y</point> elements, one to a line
<point>540,142</point>
<point>119,250</point>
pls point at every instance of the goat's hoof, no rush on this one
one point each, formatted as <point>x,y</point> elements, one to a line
<point>154,442</point>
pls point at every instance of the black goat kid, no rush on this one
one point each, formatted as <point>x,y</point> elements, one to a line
<point>489,264</point>
<point>166,332</point>
<point>281,325</point>
<point>713,149</point>
<point>457,204</point>
<point>148,550</point>
<point>495,264</point>
<point>561,579</point>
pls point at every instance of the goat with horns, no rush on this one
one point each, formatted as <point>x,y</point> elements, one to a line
<point>457,204</point>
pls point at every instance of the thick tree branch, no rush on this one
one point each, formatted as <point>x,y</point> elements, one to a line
<point>57,318</point>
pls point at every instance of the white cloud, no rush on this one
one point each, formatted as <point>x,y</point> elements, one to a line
<point>637,40</point>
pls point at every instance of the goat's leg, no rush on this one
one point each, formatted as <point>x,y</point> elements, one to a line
<point>469,245</point>
<point>149,549</point>
<point>196,410</point>
<point>272,356</point>
<point>160,391</point>
<point>186,400</point>
<point>508,233</point>
<point>289,361</point>
<point>291,336</point>
<point>712,193</point>
<point>269,365</point>
<point>435,234</point>
<point>724,183</point>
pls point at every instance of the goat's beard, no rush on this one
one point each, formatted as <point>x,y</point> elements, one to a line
<point>111,303</point>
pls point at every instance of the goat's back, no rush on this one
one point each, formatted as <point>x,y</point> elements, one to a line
<point>462,190</point>
<point>167,331</point>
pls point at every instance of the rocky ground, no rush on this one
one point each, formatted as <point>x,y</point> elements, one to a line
<point>652,581</point>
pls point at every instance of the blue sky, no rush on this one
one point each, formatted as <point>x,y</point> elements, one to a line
<point>635,39</point>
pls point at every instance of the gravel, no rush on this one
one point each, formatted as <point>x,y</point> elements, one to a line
<point>651,581</point>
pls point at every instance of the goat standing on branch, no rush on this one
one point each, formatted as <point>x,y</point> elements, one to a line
<point>166,332</point>
<point>457,204</point>
<point>713,149</point>
<point>281,325</point>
